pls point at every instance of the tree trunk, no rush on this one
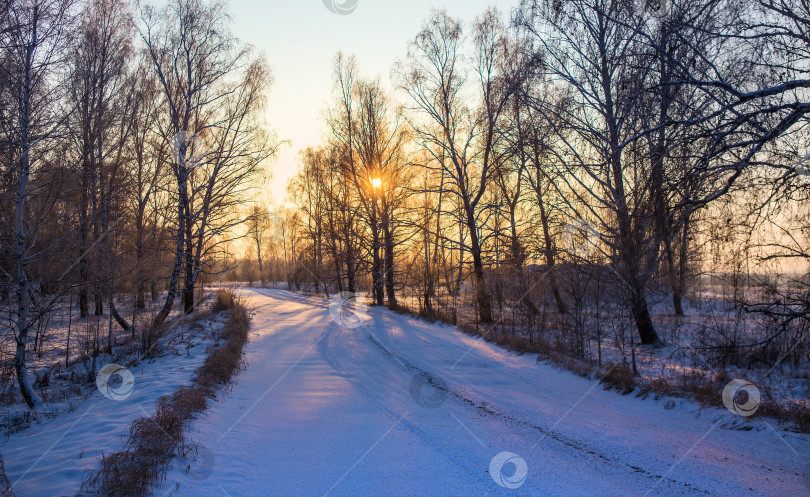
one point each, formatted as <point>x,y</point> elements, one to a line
<point>178,257</point>
<point>672,271</point>
<point>351,270</point>
<point>389,260</point>
<point>259,256</point>
<point>83,272</point>
<point>641,316</point>
<point>140,284</point>
<point>188,276</point>
<point>21,246</point>
<point>683,262</point>
<point>98,301</point>
<point>140,290</point>
<point>376,263</point>
<point>677,302</point>
<point>376,272</point>
<point>629,249</point>
<point>482,297</point>
<point>98,289</point>
<point>548,250</point>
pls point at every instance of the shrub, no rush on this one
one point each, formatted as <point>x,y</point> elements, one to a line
<point>619,377</point>
<point>226,299</point>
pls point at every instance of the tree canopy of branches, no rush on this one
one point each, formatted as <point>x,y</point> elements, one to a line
<point>576,141</point>
<point>120,131</point>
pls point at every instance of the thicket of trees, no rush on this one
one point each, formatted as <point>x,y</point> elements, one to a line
<point>540,170</point>
<point>572,158</point>
<point>129,135</point>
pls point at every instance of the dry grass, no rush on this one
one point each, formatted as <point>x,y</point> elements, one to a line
<point>225,300</point>
<point>704,388</point>
<point>154,440</point>
<point>5,484</point>
<point>800,415</point>
<point>707,390</point>
<point>619,377</point>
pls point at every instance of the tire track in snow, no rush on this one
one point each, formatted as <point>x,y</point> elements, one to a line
<point>486,410</point>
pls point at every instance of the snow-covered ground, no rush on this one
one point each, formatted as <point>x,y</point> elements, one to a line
<point>50,457</point>
<point>400,407</point>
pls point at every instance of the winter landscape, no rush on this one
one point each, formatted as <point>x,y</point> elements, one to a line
<point>336,248</point>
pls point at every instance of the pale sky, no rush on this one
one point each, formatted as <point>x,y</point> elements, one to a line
<point>300,39</point>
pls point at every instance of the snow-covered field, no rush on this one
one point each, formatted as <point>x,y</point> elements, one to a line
<point>61,327</point>
<point>50,457</point>
<point>400,407</point>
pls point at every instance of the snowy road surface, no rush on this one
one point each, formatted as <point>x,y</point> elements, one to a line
<point>324,410</point>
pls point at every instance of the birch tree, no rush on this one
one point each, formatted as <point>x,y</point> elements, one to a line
<point>460,138</point>
<point>34,41</point>
<point>590,49</point>
<point>212,89</point>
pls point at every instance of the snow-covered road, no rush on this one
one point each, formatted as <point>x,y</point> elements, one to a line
<point>325,410</point>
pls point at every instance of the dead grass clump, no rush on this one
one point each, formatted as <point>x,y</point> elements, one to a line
<point>155,436</point>
<point>794,412</point>
<point>577,366</point>
<point>154,440</point>
<point>218,367</point>
<point>236,328</point>
<point>123,474</point>
<point>619,377</point>
<point>224,361</point>
<point>799,413</point>
<point>5,484</point>
<point>703,388</point>
<point>707,390</point>
<point>8,384</point>
<point>226,299</point>
<point>186,401</point>
<point>516,344</point>
<point>447,317</point>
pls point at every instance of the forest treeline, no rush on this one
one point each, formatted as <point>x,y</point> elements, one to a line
<point>569,158</point>
<point>129,138</point>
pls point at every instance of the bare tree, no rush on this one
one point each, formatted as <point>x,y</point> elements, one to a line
<point>590,49</point>
<point>258,223</point>
<point>212,89</point>
<point>461,139</point>
<point>34,37</point>
<point>103,104</point>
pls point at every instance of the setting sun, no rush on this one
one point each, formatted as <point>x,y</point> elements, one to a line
<point>376,182</point>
